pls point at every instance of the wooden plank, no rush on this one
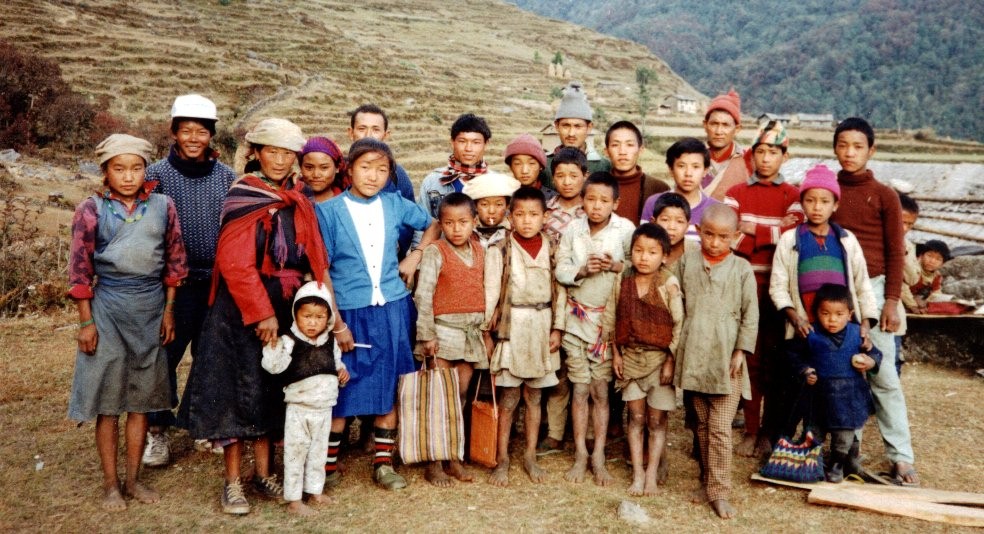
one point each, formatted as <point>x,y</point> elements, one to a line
<point>893,505</point>
<point>902,493</point>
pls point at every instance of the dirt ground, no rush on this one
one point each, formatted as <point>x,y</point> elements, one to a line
<point>36,360</point>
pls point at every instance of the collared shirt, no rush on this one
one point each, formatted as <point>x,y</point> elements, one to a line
<point>559,218</point>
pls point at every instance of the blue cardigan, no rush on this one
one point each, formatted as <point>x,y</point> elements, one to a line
<point>348,270</point>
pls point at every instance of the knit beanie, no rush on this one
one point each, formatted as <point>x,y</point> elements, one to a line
<point>820,177</point>
<point>730,102</point>
<point>491,184</point>
<point>574,104</point>
<point>527,145</point>
<point>771,133</point>
<point>118,144</point>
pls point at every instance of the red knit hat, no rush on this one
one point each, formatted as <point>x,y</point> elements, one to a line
<point>821,177</point>
<point>527,145</point>
<point>731,103</point>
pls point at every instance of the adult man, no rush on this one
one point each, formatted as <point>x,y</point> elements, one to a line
<point>729,165</point>
<point>470,136</point>
<point>573,125</point>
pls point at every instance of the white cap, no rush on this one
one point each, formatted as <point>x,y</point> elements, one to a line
<point>194,107</point>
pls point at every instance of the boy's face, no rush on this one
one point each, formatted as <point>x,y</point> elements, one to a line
<point>491,210</point>
<point>818,205</point>
<point>318,170</point>
<point>572,132</point>
<point>675,222</point>
<point>191,140</point>
<point>647,255</point>
<point>468,147</point>
<point>833,316</point>
<point>768,161</point>
<point>457,223</point>
<point>125,175</point>
<point>623,149</point>
<point>368,125</point>
<point>525,168</point>
<point>599,203</point>
<point>852,151</point>
<point>931,261</point>
<point>369,174</point>
<point>527,217</point>
<point>716,236</point>
<point>908,220</point>
<point>568,180</point>
<point>688,170</point>
<point>312,319</point>
<point>721,128</point>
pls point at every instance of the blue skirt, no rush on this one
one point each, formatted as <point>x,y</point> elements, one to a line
<point>375,372</point>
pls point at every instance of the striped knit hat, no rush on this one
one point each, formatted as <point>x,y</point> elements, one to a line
<point>772,133</point>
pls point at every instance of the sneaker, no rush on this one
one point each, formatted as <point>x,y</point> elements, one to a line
<point>157,451</point>
<point>268,487</point>
<point>386,477</point>
<point>233,499</point>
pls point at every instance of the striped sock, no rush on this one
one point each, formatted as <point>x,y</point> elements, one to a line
<point>385,440</point>
<point>334,442</point>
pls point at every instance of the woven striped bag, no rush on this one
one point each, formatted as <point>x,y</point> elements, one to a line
<point>432,426</point>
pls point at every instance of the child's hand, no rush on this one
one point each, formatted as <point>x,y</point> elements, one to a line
<point>862,362</point>
<point>267,329</point>
<point>408,267</point>
<point>747,228</point>
<point>605,262</point>
<point>803,327</point>
<point>593,266</point>
<point>555,340</point>
<point>616,362</point>
<point>737,359</point>
<point>430,347</point>
<point>167,327</point>
<point>343,377</point>
<point>489,345</point>
<point>811,376</point>
<point>666,373</point>
<point>788,220</point>
<point>88,338</point>
<point>343,337</point>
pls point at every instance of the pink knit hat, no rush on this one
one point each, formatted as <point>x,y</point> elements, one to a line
<point>731,103</point>
<point>820,177</point>
<point>526,145</point>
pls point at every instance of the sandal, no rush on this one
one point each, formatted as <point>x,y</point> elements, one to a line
<point>907,476</point>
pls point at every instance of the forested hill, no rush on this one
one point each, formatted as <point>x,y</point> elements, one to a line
<point>908,64</point>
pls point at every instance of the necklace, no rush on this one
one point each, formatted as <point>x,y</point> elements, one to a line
<point>133,218</point>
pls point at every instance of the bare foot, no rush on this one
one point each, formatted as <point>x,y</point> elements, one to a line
<point>576,473</point>
<point>905,474</point>
<point>663,470</point>
<point>500,475</point>
<point>436,476</point>
<point>699,496</point>
<point>723,509</point>
<point>141,493</point>
<point>746,447</point>
<point>651,487</point>
<point>537,474</point>
<point>601,475</point>
<point>638,484</point>
<point>459,471</point>
<point>763,446</point>
<point>112,500</point>
<point>299,508</point>
<point>320,499</point>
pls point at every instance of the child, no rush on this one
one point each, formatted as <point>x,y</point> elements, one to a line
<point>127,241</point>
<point>910,272</point>
<point>526,160</point>
<point>450,300</point>
<point>719,330</point>
<point>767,206</point>
<point>591,254</point>
<point>932,255</point>
<point>671,212</point>
<point>470,137</point>
<point>310,368</point>
<point>832,357</point>
<point>624,145</point>
<point>687,160</point>
<point>523,308</point>
<point>491,192</point>
<point>650,316</point>
<point>872,211</point>
<point>360,229</point>
<point>323,168</point>
<point>573,125</point>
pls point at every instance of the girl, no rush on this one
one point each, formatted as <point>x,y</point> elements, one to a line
<point>323,168</point>
<point>130,239</point>
<point>360,229</point>
<point>268,242</point>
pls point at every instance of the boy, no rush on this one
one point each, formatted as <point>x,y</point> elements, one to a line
<point>687,160</point>
<point>873,213</point>
<point>932,255</point>
<point>767,206</point>
<point>491,192</point>
<point>718,332</point>
<point>197,181</point>
<point>525,309</point>
<point>592,253</point>
<point>910,272</point>
<point>450,299</point>
<point>671,212</point>
<point>623,144</point>
<point>469,138</point>
<point>526,159</point>
<point>730,163</point>
<point>309,366</point>
<point>573,124</point>
<point>650,312</point>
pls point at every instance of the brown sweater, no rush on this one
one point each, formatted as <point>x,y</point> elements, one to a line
<point>871,210</point>
<point>633,190</point>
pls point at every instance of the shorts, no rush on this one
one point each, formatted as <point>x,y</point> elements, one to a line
<point>507,380</point>
<point>580,368</point>
<point>658,396</point>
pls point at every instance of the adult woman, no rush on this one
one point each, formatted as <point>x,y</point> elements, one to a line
<point>323,168</point>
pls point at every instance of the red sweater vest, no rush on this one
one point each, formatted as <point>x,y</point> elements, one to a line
<point>460,288</point>
<point>643,321</point>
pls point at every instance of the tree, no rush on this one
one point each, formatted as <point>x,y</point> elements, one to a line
<point>558,59</point>
<point>644,76</point>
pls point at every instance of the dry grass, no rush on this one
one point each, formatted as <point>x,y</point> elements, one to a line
<point>36,357</point>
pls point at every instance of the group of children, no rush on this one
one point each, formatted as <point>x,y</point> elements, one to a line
<point>543,278</point>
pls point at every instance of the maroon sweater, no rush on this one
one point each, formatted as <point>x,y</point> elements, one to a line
<point>872,211</point>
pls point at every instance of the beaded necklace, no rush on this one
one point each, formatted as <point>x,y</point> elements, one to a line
<point>142,204</point>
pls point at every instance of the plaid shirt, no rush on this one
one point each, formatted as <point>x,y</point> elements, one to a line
<point>558,219</point>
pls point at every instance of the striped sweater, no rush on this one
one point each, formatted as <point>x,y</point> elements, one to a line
<point>763,204</point>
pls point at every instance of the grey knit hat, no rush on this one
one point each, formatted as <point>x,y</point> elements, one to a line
<point>574,104</point>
